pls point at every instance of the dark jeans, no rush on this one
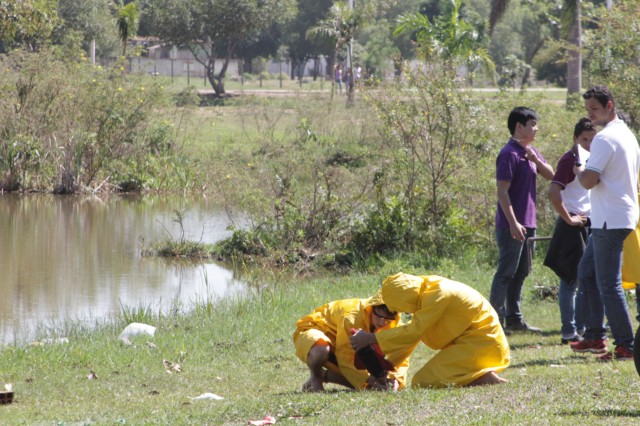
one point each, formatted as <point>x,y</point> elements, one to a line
<point>600,275</point>
<point>513,268</point>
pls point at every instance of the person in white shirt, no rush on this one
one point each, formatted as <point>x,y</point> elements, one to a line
<point>571,201</point>
<point>612,176</point>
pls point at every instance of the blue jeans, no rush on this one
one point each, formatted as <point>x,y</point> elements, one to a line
<point>572,312</point>
<point>600,275</point>
<point>513,268</point>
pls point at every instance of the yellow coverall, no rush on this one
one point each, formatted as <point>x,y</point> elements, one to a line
<point>332,323</point>
<point>631,260</point>
<point>450,317</point>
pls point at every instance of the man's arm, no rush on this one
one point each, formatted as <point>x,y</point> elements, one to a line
<point>587,178</point>
<point>518,231</point>
<point>555,197</point>
<point>543,168</point>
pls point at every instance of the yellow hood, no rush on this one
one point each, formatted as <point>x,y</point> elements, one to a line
<point>376,300</point>
<point>401,292</point>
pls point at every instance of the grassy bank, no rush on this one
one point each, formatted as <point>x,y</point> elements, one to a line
<point>318,177</point>
<point>241,350</point>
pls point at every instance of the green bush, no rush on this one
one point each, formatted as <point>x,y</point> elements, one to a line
<point>67,126</point>
<point>187,97</point>
<point>241,242</point>
<point>382,231</point>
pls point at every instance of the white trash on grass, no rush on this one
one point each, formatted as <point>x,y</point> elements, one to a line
<point>206,395</point>
<point>134,329</point>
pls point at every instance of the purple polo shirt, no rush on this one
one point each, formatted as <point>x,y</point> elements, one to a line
<point>512,165</point>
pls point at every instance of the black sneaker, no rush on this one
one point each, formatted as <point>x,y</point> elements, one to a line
<point>521,326</point>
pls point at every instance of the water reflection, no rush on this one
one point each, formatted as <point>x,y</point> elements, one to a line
<point>79,257</point>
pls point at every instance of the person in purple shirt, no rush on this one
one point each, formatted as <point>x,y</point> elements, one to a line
<point>517,167</point>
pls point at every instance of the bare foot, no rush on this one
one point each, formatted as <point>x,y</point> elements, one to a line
<point>313,384</point>
<point>491,378</point>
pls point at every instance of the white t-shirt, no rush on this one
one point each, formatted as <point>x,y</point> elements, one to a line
<point>616,157</point>
<point>575,198</point>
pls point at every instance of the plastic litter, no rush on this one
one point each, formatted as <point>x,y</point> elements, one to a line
<point>206,395</point>
<point>136,328</point>
<point>6,396</point>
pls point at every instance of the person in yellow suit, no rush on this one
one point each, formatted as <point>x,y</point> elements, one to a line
<point>321,341</point>
<point>450,317</point>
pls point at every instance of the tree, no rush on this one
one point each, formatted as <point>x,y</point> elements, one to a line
<point>127,23</point>
<point>212,29</point>
<point>27,23</point>
<point>89,21</point>
<point>340,27</point>
<point>448,37</point>
<point>572,32</point>
<point>301,48</point>
<point>382,50</point>
<point>615,59</point>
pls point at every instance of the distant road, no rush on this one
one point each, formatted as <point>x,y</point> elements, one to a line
<point>309,92</point>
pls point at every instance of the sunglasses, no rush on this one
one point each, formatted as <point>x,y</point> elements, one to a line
<point>382,314</point>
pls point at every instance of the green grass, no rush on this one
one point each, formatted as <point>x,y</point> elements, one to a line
<point>241,349</point>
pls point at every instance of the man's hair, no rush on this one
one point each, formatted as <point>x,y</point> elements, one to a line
<point>520,115</point>
<point>583,125</point>
<point>383,309</point>
<point>601,93</point>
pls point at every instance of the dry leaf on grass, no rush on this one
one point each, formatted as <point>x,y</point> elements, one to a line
<point>171,367</point>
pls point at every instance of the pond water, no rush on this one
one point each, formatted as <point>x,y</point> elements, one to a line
<point>78,258</point>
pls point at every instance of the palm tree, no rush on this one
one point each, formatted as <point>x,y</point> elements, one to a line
<point>572,31</point>
<point>448,36</point>
<point>340,26</point>
<point>128,19</point>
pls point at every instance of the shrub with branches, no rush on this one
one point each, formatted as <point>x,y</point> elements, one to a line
<point>431,132</point>
<point>67,126</point>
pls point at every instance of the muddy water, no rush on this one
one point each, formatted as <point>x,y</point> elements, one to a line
<point>79,258</point>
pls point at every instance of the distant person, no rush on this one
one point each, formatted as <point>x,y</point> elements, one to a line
<point>321,340</point>
<point>357,73</point>
<point>449,317</point>
<point>612,176</point>
<point>349,81</point>
<point>517,167</point>
<point>337,75</point>
<point>571,202</point>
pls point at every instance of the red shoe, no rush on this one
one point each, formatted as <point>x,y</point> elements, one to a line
<point>598,346</point>
<point>619,354</point>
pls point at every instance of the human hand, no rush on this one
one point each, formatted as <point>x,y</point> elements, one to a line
<point>518,232</point>
<point>530,155</point>
<point>577,220</point>
<point>361,339</point>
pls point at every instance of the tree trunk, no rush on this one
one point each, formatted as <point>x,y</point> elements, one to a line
<point>247,65</point>
<point>574,63</point>
<point>216,80</point>
<point>528,60</point>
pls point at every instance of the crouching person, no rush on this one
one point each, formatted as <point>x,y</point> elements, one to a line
<point>321,340</point>
<point>450,317</point>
